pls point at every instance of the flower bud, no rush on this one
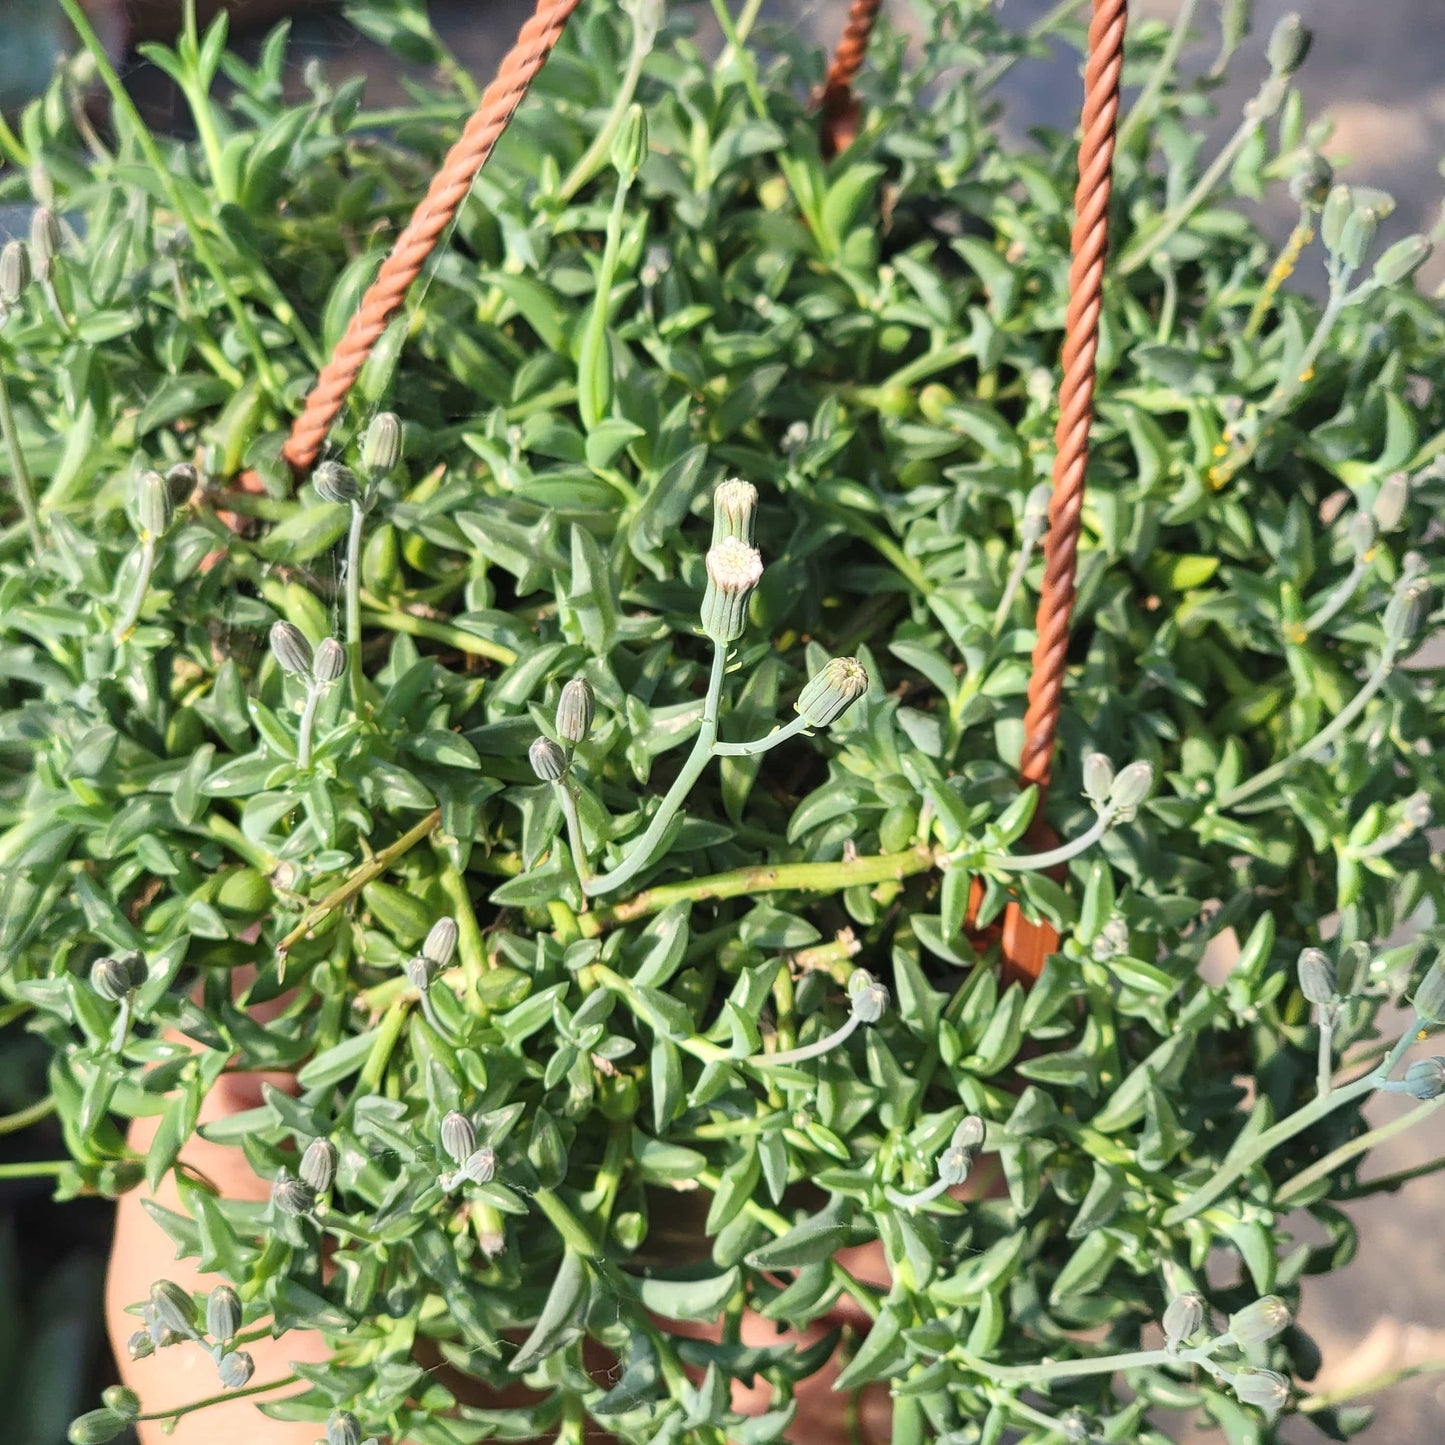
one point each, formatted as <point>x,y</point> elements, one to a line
<point>1425,1078</point>
<point>115,979</point>
<point>733,570</point>
<point>318,1165</point>
<point>1415,812</point>
<point>420,971</point>
<point>122,1400</point>
<point>1391,501</point>
<point>441,941</point>
<point>1413,565</point>
<point>1316,976</point>
<point>1400,261</point>
<point>236,1369</point>
<point>479,1165</point>
<point>292,1196</point>
<point>548,761</point>
<point>1404,612</point>
<point>1361,534</point>
<point>15,273</point>
<point>381,450</point>
<point>1310,185</point>
<point>1429,998</point>
<point>1358,235</point>
<point>1183,1319</point>
<point>223,1314</point>
<point>970,1133</point>
<point>1262,1388</point>
<point>1036,514</point>
<point>575,710</point>
<point>1129,789</point>
<point>1261,1321</point>
<point>734,511</point>
<point>868,996</point>
<point>953,1165</point>
<point>153,504</point>
<point>335,483</point>
<point>459,1138</point>
<point>291,649</point>
<point>173,1308</point>
<point>839,683</point>
<point>1098,778</point>
<point>1339,204</point>
<point>329,663</point>
<point>140,1346</point>
<point>1288,45</point>
<point>95,1427</point>
<point>629,150</point>
<point>181,483</point>
<point>343,1428</point>
<point>45,241</point>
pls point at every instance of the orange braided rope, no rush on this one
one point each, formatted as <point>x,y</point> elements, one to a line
<point>447,191</point>
<point>836,100</point>
<point>1025,944</point>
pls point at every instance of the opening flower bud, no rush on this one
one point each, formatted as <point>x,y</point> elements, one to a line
<point>420,971</point>
<point>15,273</point>
<point>153,504</point>
<point>45,241</point>
<point>343,1428</point>
<point>140,1346</point>
<point>869,997</point>
<point>236,1369</point>
<point>1183,1319</point>
<point>1425,1078</point>
<point>381,450</point>
<point>840,682</point>
<point>1391,501</point>
<point>329,663</point>
<point>1430,996</point>
<point>1261,1321</point>
<point>1316,976</point>
<point>115,979</point>
<point>733,570</point>
<point>1098,778</point>
<point>292,1196</point>
<point>734,511</point>
<point>335,483</point>
<point>318,1165</point>
<point>223,1314</point>
<point>1129,789</point>
<point>1262,1388</point>
<point>173,1308</point>
<point>1289,43</point>
<point>480,1165</point>
<point>575,710</point>
<point>459,1138</point>
<point>548,761</point>
<point>291,649</point>
<point>441,941</point>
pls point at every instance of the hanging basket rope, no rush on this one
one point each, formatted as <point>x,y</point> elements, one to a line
<point>836,102</point>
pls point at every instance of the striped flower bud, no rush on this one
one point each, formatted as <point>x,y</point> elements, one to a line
<point>420,971</point>
<point>1129,789</point>
<point>122,1400</point>
<point>173,1308</point>
<point>45,241</point>
<point>441,941</point>
<point>95,1427</point>
<point>153,504</point>
<point>1404,612</point>
<point>1098,778</point>
<point>548,761</point>
<point>329,663</point>
<point>1310,184</point>
<point>317,1169</point>
<point>1430,996</point>
<point>1316,976</point>
<point>1289,43</point>
<point>459,1138</point>
<point>970,1133</point>
<point>1261,1321</point>
<point>1358,235</point>
<point>115,979</point>
<point>479,1166</point>
<point>1400,261</point>
<point>839,683</point>
<point>1183,1319</point>
<point>733,571</point>
<point>630,148</point>
<point>236,1369</point>
<point>343,1428</point>
<point>335,483</point>
<point>1391,501</point>
<point>734,511</point>
<point>869,997</point>
<point>140,1346</point>
<point>575,710</point>
<point>15,273</point>
<point>1264,1389</point>
<point>953,1165</point>
<point>1425,1078</point>
<point>1361,534</point>
<point>1413,565</point>
<point>1036,514</point>
<point>223,1314</point>
<point>381,450</point>
<point>291,649</point>
<point>1339,205</point>
<point>292,1196</point>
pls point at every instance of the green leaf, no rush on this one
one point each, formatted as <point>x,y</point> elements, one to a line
<point>561,1320</point>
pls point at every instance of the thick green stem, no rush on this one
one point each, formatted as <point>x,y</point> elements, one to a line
<point>1036,862</point>
<point>1323,1168</point>
<point>568,800</point>
<point>1056,1370</point>
<point>1012,585</point>
<point>35,1169</point>
<point>31,1114</point>
<point>177,1411</point>
<point>762,745</point>
<point>308,723</point>
<point>19,471</point>
<point>810,1051</point>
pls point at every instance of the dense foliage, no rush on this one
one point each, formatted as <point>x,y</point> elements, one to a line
<point>872,342</point>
